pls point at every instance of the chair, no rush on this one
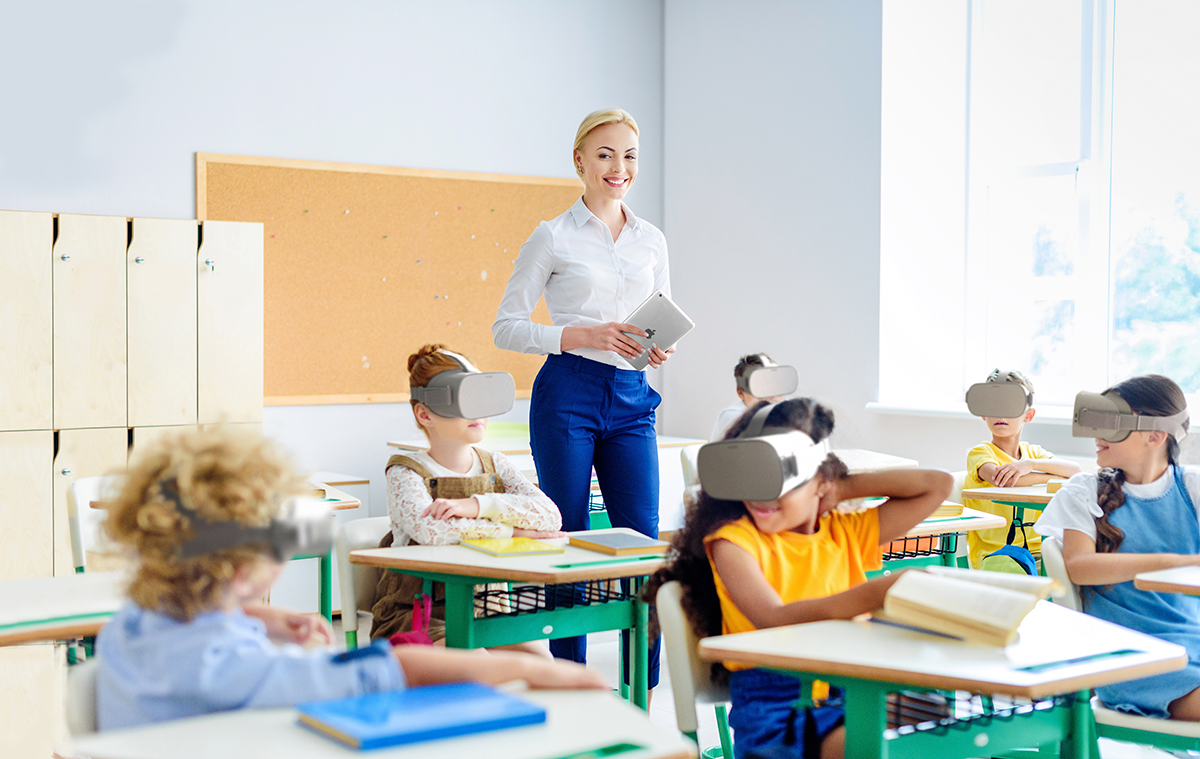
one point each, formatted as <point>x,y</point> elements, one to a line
<point>81,698</point>
<point>357,581</point>
<point>687,458</point>
<point>84,522</point>
<point>690,680</point>
<point>1170,735</point>
<point>960,479</point>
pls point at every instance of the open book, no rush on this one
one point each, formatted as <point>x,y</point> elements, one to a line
<point>979,607</point>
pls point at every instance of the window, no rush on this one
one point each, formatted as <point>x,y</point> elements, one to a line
<point>1073,230</point>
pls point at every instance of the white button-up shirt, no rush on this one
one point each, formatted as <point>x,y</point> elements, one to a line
<point>587,279</point>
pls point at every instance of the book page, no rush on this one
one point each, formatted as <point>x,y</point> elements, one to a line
<point>1042,587</point>
<point>973,610</point>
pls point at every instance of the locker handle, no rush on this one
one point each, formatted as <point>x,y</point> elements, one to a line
<point>66,472</point>
<point>210,264</point>
<point>65,257</point>
<point>139,260</point>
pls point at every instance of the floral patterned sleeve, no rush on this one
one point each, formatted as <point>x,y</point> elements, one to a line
<point>407,500</point>
<point>521,504</point>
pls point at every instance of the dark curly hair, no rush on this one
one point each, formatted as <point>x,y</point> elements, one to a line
<point>688,559</point>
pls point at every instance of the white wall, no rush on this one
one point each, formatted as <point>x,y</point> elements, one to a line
<point>106,104</point>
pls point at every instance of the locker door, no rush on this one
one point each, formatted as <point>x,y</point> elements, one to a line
<point>27,540</point>
<point>26,342</point>
<point>89,321</point>
<point>33,682</point>
<point>82,453</point>
<point>161,266</point>
<point>230,304</point>
<point>147,436</point>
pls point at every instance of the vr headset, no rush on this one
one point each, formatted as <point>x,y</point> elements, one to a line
<point>759,464</point>
<point>1006,399</point>
<point>467,393</point>
<point>304,527</point>
<point>769,380</point>
<point>1107,416</point>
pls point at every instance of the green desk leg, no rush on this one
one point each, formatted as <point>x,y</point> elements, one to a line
<point>1081,744</point>
<point>325,585</point>
<point>866,718</point>
<point>641,649</point>
<point>949,546</point>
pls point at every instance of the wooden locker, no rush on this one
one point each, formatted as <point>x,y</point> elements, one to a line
<point>230,325</point>
<point>82,453</point>
<point>89,321</point>
<point>32,694</point>
<point>145,436</point>
<point>26,341</point>
<point>27,538</point>
<point>161,270</point>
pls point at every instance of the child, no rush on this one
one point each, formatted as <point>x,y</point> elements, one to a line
<point>1138,514</point>
<point>731,413</point>
<point>749,565</point>
<point>451,492</point>
<point>1007,462</point>
<point>193,640</point>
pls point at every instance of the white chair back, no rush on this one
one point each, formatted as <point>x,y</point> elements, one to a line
<point>81,697</point>
<point>960,479</point>
<point>1056,567</point>
<point>357,581</point>
<point>690,675</point>
<point>84,522</point>
<point>687,458</point>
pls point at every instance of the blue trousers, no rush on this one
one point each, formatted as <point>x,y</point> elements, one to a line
<point>766,722</point>
<point>586,414</point>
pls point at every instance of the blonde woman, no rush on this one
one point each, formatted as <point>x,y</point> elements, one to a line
<point>594,264</point>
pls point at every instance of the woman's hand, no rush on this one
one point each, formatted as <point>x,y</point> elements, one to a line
<point>604,337</point>
<point>658,356</point>
<point>538,534</point>
<point>444,508</point>
<point>292,626</point>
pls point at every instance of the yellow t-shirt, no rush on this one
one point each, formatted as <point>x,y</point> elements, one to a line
<point>833,559</point>
<point>982,542</point>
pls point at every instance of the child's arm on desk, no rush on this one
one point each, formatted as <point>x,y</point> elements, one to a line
<point>424,665</point>
<point>1027,472</point>
<point>912,494</point>
<point>754,596</point>
<point>1086,567</point>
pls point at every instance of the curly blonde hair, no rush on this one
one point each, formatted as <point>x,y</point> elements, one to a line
<point>224,474</point>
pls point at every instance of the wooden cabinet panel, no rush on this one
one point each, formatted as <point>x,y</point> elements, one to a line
<point>27,534</point>
<point>89,321</point>
<point>82,453</point>
<point>230,302</point>
<point>146,436</point>
<point>26,341</point>
<point>161,269</point>
<point>32,693</point>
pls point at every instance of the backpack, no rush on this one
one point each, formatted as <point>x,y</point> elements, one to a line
<point>1017,560</point>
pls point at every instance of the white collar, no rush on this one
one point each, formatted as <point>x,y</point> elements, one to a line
<point>580,213</point>
<point>1152,489</point>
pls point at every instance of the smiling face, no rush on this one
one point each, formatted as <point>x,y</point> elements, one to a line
<point>1133,452</point>
<point>798,509</point>
<point>608,158</point>
<point>1006,428</point>
<point>449,429</point>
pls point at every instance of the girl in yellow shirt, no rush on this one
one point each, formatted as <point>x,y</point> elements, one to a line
<point>749,565</point>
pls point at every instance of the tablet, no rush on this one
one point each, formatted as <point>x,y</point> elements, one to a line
<point>663,320</point>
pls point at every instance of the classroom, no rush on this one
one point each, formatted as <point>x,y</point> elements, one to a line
<point>839,182</point>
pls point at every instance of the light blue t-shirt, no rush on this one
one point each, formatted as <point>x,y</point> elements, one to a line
<point>154,668</point>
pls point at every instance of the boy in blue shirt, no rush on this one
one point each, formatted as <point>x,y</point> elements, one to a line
<point>194,638</point>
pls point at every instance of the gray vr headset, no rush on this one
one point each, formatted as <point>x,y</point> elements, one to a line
<point>304,527</point>
<point>467,393</point>
<point>1107,416</point>
<point>759,464</point>
<point>769,381</point>
<point>1006,399</point>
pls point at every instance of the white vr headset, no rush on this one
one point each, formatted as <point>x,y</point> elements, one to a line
<point>1006,399</point>
<point>467,393</point>
<point>1107,416</point>
<point>759,464</point>
<point>769,381</point>
<point>304,527</point>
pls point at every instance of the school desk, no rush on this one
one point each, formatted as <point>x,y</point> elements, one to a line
<point>1175,580</point>
<point>1059,653</point>
<point>67,607</point>
<point>858,460</point>
<point>338,501</point>
<point>918,546</point>
<point>462,568</point>
<point>1032,497</point>
<point>578,724</point>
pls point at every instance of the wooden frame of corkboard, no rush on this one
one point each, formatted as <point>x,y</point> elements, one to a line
<point>364,264</point>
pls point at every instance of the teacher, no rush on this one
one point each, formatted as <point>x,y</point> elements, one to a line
<point>594,264</point>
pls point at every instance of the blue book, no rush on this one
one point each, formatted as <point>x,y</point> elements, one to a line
<point>418,714</point>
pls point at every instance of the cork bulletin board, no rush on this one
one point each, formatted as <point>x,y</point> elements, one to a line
<point>364,264</point>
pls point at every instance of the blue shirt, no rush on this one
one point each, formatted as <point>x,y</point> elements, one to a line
<point>153,667</point>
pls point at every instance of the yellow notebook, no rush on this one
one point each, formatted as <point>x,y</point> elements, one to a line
<point>512,546</point>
